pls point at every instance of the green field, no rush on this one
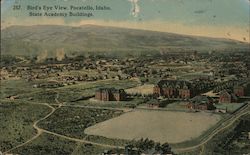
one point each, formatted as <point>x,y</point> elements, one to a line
<point>231,107</point>
<point>24,90</point>
<point>108,104</point>
<point>72,121</point>
<point>233,141</point>
<point>16,119</point>
<point>52,145</point>
<point>15,88</point>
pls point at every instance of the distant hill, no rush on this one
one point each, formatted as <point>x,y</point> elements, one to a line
<point>32,40</point>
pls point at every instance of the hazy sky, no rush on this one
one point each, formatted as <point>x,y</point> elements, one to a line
<point>214,18</point>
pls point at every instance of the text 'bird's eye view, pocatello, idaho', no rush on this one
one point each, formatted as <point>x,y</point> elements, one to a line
<point>125,77</point>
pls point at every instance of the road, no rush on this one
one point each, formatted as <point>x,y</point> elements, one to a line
<point>80,140</point>
<point>96,107</point>
<point>245,110</point>
<point>40,130</point>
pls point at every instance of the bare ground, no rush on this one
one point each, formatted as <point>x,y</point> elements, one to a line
<point>160,126</point>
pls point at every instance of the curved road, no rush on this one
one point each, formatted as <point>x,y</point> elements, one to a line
<point>230,121</point>
<point>40,131</point>
<point>240,113</point>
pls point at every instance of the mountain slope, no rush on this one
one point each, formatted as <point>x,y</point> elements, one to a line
<point>31,40</point>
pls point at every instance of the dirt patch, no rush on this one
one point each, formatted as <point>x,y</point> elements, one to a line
<point>160,126</point>
<point>144,89</point>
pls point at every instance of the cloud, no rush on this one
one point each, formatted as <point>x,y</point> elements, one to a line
<point>135,10</point>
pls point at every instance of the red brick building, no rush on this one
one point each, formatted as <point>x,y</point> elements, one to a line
<point>174,89</point>
<point>110,94</point>
<point>227,97</point>
<point>201,103</point>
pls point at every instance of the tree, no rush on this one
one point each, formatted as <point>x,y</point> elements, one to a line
<point>165,148</point>
<point>157,147</point>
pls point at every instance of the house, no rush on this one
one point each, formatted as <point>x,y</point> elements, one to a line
<point>110,94</point>
<point>238,91</point>
<point>173,89</point>
<point>201,102</point>
<point>227,97</point>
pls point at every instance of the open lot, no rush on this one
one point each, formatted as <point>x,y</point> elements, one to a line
<point>161,126</point>
<point>144,89</point>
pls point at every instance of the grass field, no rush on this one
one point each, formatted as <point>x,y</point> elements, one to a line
<point>52,145</point>
<point>24,90</point>
<point>45,96</point>
<point>161,126</point>
<point>109,104</point>
<point>231,107</point>
<point>71,121</point>
<point>14,88</point>
<point>89,72</point>
<point>16,121</point>
<point>232,141</point>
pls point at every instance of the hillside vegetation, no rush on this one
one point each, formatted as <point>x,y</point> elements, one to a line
<point>33,40</point>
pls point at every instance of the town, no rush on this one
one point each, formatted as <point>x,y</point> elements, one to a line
<point>213,86</point>
<point>125,77</point>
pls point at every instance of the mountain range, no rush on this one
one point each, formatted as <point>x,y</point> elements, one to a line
<point>32,40</point>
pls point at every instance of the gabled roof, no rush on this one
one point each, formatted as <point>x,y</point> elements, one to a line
<point>112,90</point>
<point>201,99</point>
<point>225,92</point>
<point>228,93</point>
<point>174,84</point>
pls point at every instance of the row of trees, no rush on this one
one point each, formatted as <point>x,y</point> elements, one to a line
<point>147,146</point>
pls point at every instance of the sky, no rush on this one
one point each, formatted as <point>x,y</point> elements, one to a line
<point>212,18</point>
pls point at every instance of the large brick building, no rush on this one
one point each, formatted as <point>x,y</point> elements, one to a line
<point>174,89</point>
<point>110,94</point>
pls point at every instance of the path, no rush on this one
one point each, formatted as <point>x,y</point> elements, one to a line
<point>245,110</point>
<point>216,131</point>
<point>81,140</point>
<point>39,131</point>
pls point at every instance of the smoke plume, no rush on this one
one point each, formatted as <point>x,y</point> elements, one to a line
<point>60,54</point>
<point>42,56</point>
